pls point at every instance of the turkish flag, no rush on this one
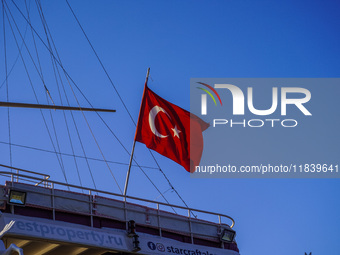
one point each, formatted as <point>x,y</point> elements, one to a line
<point>170,130</point>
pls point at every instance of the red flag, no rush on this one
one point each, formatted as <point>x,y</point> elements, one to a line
<point>167,129</point>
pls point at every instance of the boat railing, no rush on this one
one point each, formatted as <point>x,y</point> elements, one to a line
<point>45,177</point>
<point>157,212</point>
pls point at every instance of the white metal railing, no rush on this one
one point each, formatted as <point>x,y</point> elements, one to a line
<point>18,170</point>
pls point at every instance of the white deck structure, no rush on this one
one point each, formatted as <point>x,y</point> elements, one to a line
<point>62,219</point>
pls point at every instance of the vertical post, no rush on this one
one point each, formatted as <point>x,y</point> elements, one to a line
<point>190,227</point>
<point>91,207</point>
<point>53,201</point>
<point>125,215</point>
<point>134,140</point>
<point>159,221</point>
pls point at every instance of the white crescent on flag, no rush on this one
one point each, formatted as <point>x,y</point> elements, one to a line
<point>152,115</point>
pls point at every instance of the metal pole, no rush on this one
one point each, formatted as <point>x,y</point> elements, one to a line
<point>134,140</point>
<point>129,169</point>
<point>53,107</point>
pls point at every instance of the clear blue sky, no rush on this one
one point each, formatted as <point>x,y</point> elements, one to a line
<point>180,40</point>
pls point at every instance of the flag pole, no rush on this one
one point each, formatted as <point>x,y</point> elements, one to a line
<point>134,140</point>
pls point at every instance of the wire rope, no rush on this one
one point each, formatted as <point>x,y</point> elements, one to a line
<point>56,79</point>
<point>87,123</point>
<point>31,84</point>
<point>69,77</point>
<point>7,90</point>
<point>119,96</point>
<point>73,155</point>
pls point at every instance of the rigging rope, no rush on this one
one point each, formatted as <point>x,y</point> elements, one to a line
<point>119,96</point>
<point>31,83</point>
<point>107,74</point>
<point>7,91</point>
<point>69,78</point>
<point>55,67</point>
<point>56,79</point>
<point>17,57</point>
<point>88,125</point>
<point>40,77</point>
<point>73,155</point>
<point>48,95</point>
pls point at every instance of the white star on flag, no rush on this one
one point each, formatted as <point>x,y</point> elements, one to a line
<point>176,131</point>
